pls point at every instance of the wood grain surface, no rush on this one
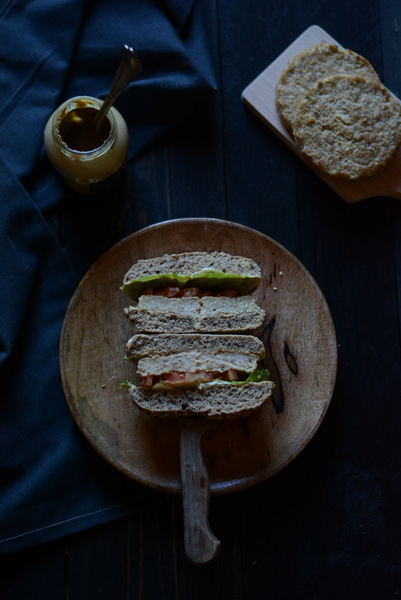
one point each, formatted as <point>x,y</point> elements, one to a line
<point>301,354</point>
<point>326,527</point>
<point>201,545</point>
<point>260,94</point>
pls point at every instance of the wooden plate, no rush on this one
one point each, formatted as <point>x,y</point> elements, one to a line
<point>301,354</point>
<point>260,96</point>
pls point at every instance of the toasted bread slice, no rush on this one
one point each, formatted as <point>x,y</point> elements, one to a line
<point>220,400</point>
<point>210,314</point>
<point>141,345</point>
<point>158,354</point>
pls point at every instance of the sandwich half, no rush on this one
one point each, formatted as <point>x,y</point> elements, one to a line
<point>194,292</point>
<point>198,374</point>
<point>213,272</point>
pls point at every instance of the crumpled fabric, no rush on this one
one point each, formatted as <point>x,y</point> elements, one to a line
<point>53,483</point>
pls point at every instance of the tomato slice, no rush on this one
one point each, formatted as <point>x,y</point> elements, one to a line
<point>183,378</point>
<point>174,377</point>
<point>189,292</point>
<point>147,381</point>
<point>169,292</point>
<point>231,375</point>
<point>228,293</point>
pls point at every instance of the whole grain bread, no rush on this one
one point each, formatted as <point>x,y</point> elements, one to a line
<point>163,353</point>
<point>210,314</point>
<point>213,401</point>
<point>166,344</point>
<point>348,126</point>
<point>188,264</point>
<point>311,65</point>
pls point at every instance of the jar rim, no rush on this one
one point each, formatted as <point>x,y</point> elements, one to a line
<point>68,106</point>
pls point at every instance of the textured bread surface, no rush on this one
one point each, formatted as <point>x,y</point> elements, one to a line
<point>195,353</point>
<point>194,362</point>
<point>167,344</point>
<point>308,67</point>
<point>348,126</point>
<point>156,314</point>
<point>188,263</point>
<point>217,401</point>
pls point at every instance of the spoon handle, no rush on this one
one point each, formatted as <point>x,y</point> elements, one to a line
<point>128,69</point>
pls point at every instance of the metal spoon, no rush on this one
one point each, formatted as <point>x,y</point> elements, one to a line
<point>128,69</point>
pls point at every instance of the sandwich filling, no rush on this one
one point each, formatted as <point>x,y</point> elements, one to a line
<point>199,379</point>
<point>188,292</point>
<point>177,361</point>
<point>204,282</point>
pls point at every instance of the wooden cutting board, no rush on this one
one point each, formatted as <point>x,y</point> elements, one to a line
<point>259,96</point>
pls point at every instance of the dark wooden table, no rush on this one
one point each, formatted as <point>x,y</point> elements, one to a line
<point>327,527</point>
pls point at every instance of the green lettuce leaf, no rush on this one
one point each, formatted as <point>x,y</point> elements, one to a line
<point>209,279</point>
<point>258,375</point>
<point>126,384</point>
<point>255,377</point>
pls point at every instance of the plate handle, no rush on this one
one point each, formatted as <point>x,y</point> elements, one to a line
<point>201,545</point>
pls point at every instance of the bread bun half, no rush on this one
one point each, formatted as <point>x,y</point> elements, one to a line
<point>212,271</point>
<point>156,314</point>
<point>220,400</point>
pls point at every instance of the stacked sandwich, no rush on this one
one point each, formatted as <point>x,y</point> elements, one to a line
<point>194,347</point>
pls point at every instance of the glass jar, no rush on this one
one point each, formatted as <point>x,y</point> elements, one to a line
<point>89,160</point>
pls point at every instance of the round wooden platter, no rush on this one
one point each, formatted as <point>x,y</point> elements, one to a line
<point>301,353</point>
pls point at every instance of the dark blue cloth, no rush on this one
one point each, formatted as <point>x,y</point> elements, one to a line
<point>52,482</point>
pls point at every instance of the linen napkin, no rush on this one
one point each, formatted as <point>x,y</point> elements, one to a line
<point>52,482</point>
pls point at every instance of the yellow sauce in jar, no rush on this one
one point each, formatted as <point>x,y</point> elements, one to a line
<point>88,159</point>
